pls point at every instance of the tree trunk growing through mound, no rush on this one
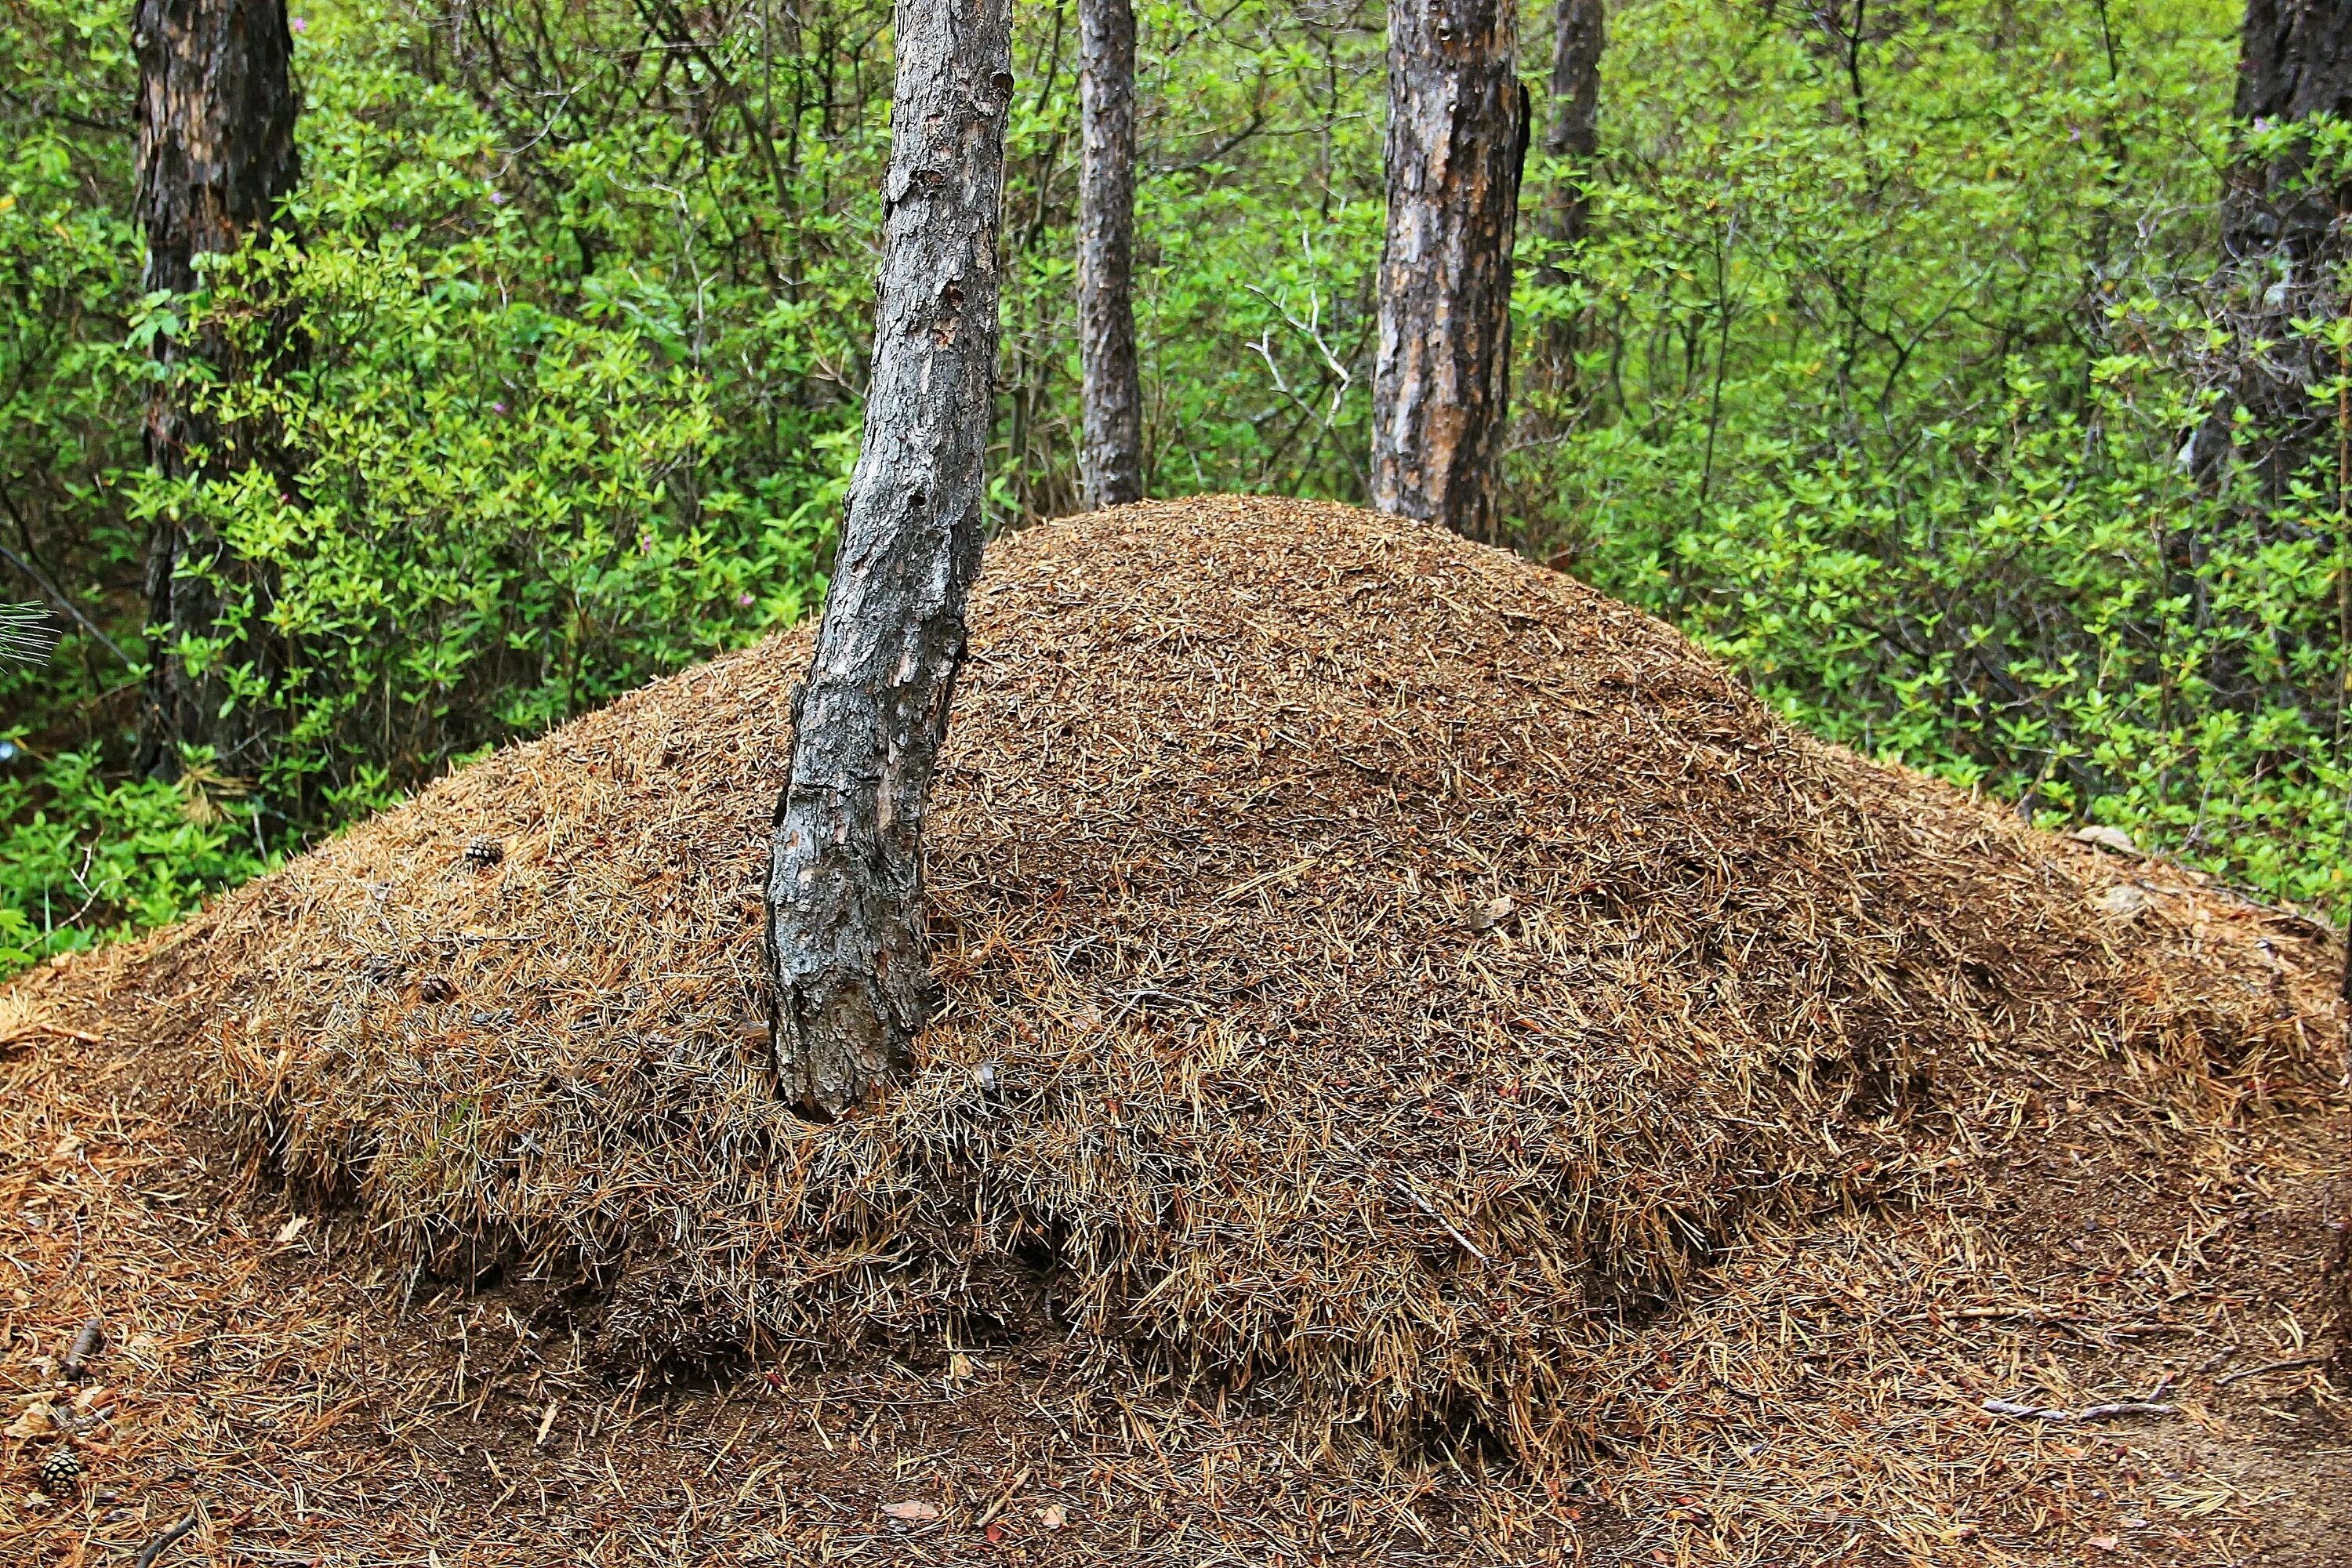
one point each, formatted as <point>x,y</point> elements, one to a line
<point>2281,236</point>
<point>844,885</point>
<point>1457,144</point>
<point>216,156</point>
<point>1110,394</point>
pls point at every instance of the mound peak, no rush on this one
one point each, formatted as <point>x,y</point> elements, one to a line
<point>1367,957</point>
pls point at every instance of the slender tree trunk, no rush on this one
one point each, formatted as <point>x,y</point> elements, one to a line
<point>1110,395</point>
<point>1572,137</point>
<point>1579,32</point>
<point>216,156</point>
<point>844,887</point>
<point>1457,144</point>
<point>2281,236</point>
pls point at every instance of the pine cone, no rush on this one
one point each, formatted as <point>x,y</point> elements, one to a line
<point>59,1468</point>
<point>484,853</point>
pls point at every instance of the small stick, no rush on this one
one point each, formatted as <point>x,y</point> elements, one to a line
<point>1261,879</point>
<point>2025,1412</point>
<point>1423,1204</point>
<point>1426,1207</point>
<point>2126,1407</point>
<point>993,1510</point>
<point>85,1345</point>
<point>46,1027</point>
<point>163,1543</point>
<point>2287,1365</point>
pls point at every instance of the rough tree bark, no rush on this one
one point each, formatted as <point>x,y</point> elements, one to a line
<point>1456,145</point>
<point>1580,31</point>
<point>1110,395</point>
<point>2281,233</point>
<point>2294,60</point>
<point>844,885</point>
<point>216,157</point>
<point>1572,137</point>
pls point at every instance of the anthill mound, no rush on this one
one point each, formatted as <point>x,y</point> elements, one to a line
<point>1367,957</point>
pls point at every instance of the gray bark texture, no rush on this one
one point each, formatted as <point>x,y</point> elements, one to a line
<point>216,157</point>
<point>1456,145</point>
<point>2283,236</point>
<point>1580,30</point>
<point>2294,60</point>
<point>844,886</point>
<point>1110,394</point>
<point>1572,137</point>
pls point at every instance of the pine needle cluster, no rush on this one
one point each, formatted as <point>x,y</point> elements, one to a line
<point>25,635</point>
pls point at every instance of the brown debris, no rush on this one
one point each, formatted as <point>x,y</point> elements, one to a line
<point>85,1345</point>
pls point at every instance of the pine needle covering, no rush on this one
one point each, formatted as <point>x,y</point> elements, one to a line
<point>1367,957</point>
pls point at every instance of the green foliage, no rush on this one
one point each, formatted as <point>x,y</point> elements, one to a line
<point>1885,359</point>
<point>504,498</point>
<point>84,858</point>
<point>70,417</point>
<point>1873,375</point>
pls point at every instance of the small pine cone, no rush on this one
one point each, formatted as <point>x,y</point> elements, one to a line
<point>61,1467</point>
<point>484,852</point>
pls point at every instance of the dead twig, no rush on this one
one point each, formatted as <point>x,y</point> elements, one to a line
<point>163,1543</point>
<point>2290,1364</point>
<point>2025,1412</point>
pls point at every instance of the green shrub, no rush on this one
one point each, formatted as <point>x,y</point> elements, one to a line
<point>1883,377</point>
<point>83,859</point>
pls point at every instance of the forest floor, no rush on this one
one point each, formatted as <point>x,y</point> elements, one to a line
<point>1912,1373</point>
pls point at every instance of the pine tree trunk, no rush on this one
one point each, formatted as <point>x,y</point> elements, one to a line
<point>1110,395</point>
<point>1573,135</point>
<point>2281,238</point>
<point>216,156</point>
<point>2294,60</point>
<point>1457,144</point>
<point>845,888</point>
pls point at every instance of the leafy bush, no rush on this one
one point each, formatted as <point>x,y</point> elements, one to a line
<point>83,859</point>
<point>1885,363</point>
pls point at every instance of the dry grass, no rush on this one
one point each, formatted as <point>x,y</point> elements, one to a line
<point>1722,1178</point>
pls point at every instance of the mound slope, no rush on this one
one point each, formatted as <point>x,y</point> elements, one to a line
<point>1367,957</point>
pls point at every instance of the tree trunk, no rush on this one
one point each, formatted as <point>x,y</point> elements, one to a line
<point>1572,136</point>
<point>1110,395</point>
<point>844,887</point>
<point>216,156</point>
<point>1457,144</point>
<point>2281,236</point>
<point>2294,60</point>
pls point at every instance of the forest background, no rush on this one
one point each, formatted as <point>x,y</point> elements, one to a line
<point>1875,373</point>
